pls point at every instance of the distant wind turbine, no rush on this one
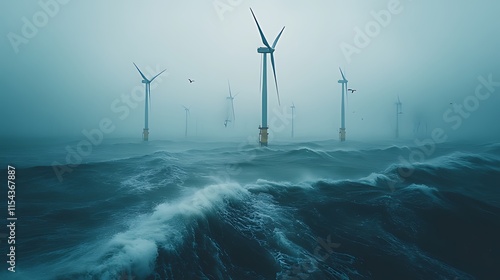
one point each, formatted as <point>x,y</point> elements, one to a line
<point>293,109</point>
<point>268,49</point>
<point>187,112</point>
<point>342,108</point>
<point>231,99</point>
<point>147,83</point>
<point>399,111</point>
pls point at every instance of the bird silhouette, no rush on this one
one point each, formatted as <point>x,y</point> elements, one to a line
<point>191,81</point>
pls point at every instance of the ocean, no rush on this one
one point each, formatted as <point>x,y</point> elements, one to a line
<point>126,209</point>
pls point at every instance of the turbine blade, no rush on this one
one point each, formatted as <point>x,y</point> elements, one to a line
<point>149,95</point>
<point>158,75</point>
<point>232,106</point>
<point>230,95</point>
<point>144,77</point>
<point>277,38</point>
<point>343,77</point>
<point>260,30</point>
<point>260,74</point>
<point>275,80</point>
<point>236,95</point>
<point>346,96</point>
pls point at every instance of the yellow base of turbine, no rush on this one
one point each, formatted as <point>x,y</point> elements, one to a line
<point>263,136</point>
<point>342,134</point>
<point>145,134</point>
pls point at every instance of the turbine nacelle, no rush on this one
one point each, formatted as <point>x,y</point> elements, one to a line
<point>145,81</point>
<point>342,81</point>
<point>265,50</point>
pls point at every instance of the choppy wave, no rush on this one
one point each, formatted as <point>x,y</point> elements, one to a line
<point>293,212</point>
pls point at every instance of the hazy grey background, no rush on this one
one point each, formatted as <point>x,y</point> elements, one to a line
<point>65,79</point>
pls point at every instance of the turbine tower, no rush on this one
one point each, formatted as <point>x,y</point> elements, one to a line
<point>187,112</point>
<point>268,49</point>
<point>145,132</point>
<point>293,109</point>
<point>342,108</point>
<point>399,111</point>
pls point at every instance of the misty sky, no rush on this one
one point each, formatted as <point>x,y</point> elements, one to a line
<point>68,75</point>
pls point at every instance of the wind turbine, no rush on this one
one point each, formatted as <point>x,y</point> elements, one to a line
<point>231,99</point>
<point>187,112</point>
<point>268,49</point>
<point>399,111</point>
<point>342,108</point>
<point>293,109</point>
<point>145,133</point>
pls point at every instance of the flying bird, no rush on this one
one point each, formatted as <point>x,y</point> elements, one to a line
<point>351,90</point>
<point>191,81</point>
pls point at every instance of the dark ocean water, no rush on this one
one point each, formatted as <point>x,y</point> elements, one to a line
<point>312,210</point>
